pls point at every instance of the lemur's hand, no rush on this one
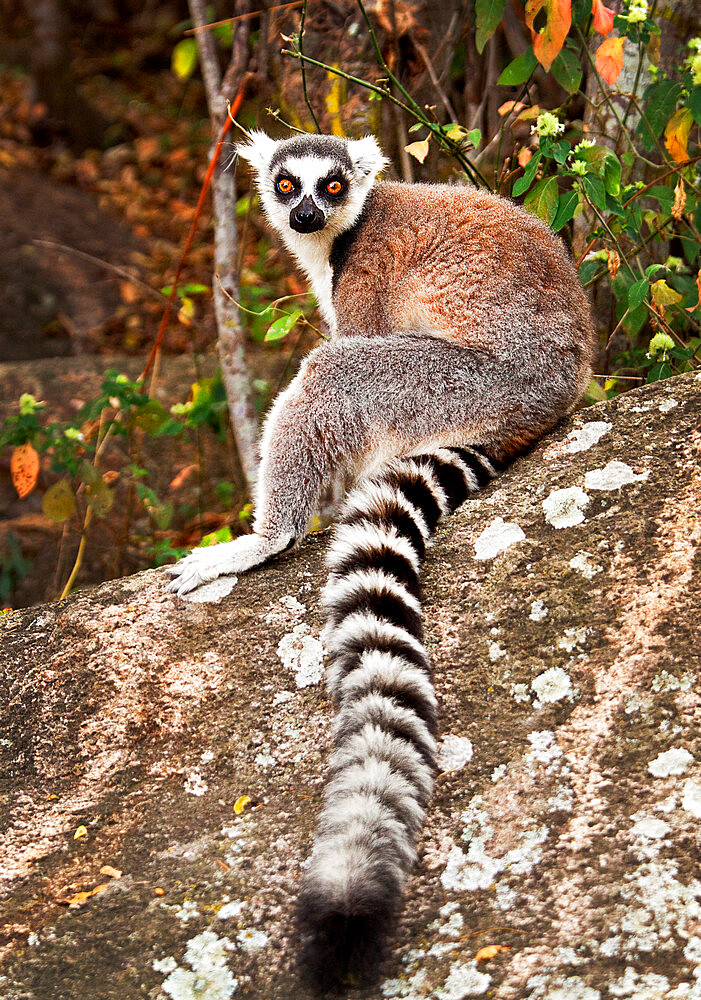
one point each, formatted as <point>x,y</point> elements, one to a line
<point>204,565</point>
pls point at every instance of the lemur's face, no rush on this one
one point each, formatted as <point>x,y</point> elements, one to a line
<point>312,183</point>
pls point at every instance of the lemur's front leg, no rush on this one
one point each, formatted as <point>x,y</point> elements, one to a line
<point>306,440</point>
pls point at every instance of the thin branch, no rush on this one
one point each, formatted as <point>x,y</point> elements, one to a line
<point>241,17</point>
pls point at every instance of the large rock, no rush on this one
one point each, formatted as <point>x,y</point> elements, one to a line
<point>564,832</point>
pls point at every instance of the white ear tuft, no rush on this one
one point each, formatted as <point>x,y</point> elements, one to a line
<point>258,151</point>
<point>366,155</point>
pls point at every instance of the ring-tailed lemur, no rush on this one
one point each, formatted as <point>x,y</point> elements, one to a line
<point>459,335</point>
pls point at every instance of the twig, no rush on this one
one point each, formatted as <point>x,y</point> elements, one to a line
<point>106,264</point>
<point>241,17</point>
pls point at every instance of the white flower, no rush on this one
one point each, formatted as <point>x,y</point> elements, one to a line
<point>637,11</point>
<point>584,144</point>
<point>548,124</point>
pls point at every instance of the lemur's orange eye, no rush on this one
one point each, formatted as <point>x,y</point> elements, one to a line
<point>284,185</point>
<point>334,187</point>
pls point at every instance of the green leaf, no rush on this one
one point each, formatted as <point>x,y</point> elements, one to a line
<point>560,151</point>
<point>566,207</point>
<point>523,183</point>
<point>653,269</point>
<point>518,70</point>
<point>611,173</point>
<point>637,293</point>
<point>185,58</point>
<point>693,103</point>
<point>100,497</point>
<point>595,191</point>
<point>488,14</point>
<point>150,416</point>
<point>58,503</point>
<point>659,101</point>
<point>588,269</point>
<point>567,71</point>
<point>282,326</point>
<point>542,200</point>
<point>475,136</point>
<point>659,372</point>
<point>664,195</point>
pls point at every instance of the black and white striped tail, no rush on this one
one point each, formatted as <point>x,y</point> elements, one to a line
<point>382,766</point>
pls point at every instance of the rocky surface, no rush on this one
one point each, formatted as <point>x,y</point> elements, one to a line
<point>183,745</point>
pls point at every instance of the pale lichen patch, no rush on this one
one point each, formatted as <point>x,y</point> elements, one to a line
<point>674,761</point>
<point>303,654</point>
<point>498,536</point>
<point>564,508</point>
<point>613,476</point>
<point>213,592</point>
<point>580,439</point>
<point>538,611</point>
<point>210,978</point>
<point>456,751</point>
<point>195,783</point>
<point>583,564</point>
<point>552,685</point>
<point>464,980</point>
<point>691,798</point>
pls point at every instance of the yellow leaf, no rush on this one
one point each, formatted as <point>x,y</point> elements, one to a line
<point>110,871</point>
<point>24,469</point>
<point>676,134</point>
<point>58,503</point>
<point>490,951</point>
<point>80,832</point>
<point>663,295</point>
<point>419,150</point>
<point>609,59</point>
<point>241,803</point>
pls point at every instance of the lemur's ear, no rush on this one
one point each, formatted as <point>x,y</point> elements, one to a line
<point>366,155</point>
<point>258,151</point>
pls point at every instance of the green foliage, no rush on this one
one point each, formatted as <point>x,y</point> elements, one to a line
<point>13,566</point>
<point>85,474</point>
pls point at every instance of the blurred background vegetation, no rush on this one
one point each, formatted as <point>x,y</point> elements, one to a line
<point>115,455</point>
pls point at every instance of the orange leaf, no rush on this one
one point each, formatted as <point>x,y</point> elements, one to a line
<point>524,157</point>
<point>184,474</point>
<point>609,59</point>
<point>549,40</point>
<point>602,17</point>
<point>24,469</point>
<point>508,106</point>
<point>490,951</point>
<point>676,134</point>
<point>82,897</point>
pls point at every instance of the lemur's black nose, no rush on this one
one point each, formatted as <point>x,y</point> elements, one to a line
<point>307,217</point>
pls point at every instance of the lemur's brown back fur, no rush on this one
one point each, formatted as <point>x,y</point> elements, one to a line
<point>482,272</point>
